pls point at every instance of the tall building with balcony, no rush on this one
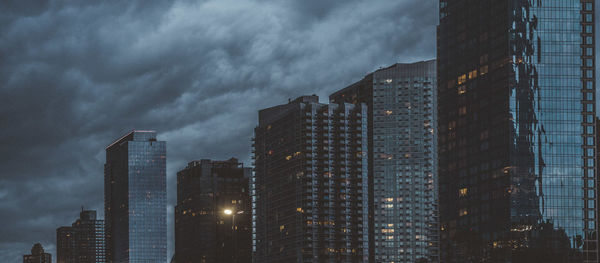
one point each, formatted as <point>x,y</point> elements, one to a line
<point>517,145</point>
<point>213,214</point>
<point>135,199</point>
<point>401,101</point>
<point>37,255</point>
<point>83,241</point>
<point>311,182</point>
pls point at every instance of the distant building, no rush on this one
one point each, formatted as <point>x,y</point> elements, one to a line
<point>311,182</point>
<point>135,199</point>
<point>204,232</point>
<point>37,255</point>
<point>83,242</point>
<point>402,160</point>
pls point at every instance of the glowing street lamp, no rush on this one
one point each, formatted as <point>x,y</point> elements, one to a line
<point>228,211</point>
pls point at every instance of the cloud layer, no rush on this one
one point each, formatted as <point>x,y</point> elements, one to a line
<point>76,75</point>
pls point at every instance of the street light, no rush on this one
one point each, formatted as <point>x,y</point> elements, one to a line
<point>234,229</point>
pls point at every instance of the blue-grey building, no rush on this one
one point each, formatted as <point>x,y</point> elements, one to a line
<point>517,138</point>
<point>135,197</point>
<point>401,102</point>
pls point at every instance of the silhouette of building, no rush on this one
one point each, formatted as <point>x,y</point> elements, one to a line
<point>83,241</point>
<point>402,160</point>
<point>204,232</point>
<point>311,182</point>
<point>516,113</point>
<point>37,255</point>
<point>135,199</point>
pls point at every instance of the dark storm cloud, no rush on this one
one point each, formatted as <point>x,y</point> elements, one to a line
<point>76,75</point>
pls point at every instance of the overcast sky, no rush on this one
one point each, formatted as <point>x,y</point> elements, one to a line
<point>74,76</point>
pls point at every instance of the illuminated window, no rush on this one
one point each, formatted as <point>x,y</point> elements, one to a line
<point>463,192</point>
<point>463,212</point>
<point>472,74</point>
<point>289,157</point>
<point>462,79</point>
<point>462,89</point>
<point>388,112</point>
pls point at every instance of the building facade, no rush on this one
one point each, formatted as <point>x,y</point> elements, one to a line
<point>37,255</point>
<point>517,144</point>
<point>135,199</point>
<point>83,241</point>
<point>213,214</point>
<point>311,182</point>
<point>402,159</point>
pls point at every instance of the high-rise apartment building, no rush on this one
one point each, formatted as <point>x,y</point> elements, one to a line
<point>402,160</point>
<point>135,199</point>
<point>37,255</point>
<point>213,214</point>
<point>311,182</point>
<point>83,241</point>
<point>517,144</point>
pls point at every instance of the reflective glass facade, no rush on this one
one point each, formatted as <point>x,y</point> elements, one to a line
<point>135,199</point>
<point>311,182</point>
<point>403,212</point>
<point>517,131</point>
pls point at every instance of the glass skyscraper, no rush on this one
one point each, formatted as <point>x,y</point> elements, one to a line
<point>136,199</point>
<point>402,160</point>
<point>516,131</point>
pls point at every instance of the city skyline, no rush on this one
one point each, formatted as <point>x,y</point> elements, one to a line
<point>102,70</point>
<point>75,79</point>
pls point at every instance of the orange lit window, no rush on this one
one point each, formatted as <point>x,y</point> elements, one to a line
<point>462,79</point>
<point>463,212</point>
<point>463,192</point>
<point>472,74</point>
<point>462,89</point>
